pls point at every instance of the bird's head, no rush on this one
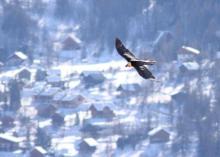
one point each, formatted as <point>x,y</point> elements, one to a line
<point>128,65</point>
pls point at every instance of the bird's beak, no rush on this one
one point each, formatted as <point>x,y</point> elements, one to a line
<point>128,65</point>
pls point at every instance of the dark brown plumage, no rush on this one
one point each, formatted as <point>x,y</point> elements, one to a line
<point>139,65</point>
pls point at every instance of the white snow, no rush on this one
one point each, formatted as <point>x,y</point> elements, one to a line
<point>190,49</point>
<point>21,55</point>
<point>10,138</point>
<point>91,141</point>
<point>41,149</point>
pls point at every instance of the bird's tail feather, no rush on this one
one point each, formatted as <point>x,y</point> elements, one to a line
<point>150,62</point>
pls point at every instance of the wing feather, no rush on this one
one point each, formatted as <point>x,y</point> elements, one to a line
<point>123,51</point>
<point>144,72</point>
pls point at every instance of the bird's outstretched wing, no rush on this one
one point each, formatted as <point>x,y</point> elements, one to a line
<point>123,51</point>
<point>144,72</point>
<point>144,62</point>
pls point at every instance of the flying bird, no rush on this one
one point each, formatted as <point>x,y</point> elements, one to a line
<point>138,64</point>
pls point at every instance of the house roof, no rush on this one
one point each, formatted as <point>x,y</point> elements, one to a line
<point>94,74</point>
<point>75,38</point>
<point>129,87</point>
<point>91,141</point>
<point>191,65</point>
<point>67,95</point>
<point>101,105</point>
<point>71,42</point>
<point>60,95</point>
<point>50,91</point>
<point>24,70</point>
<point>21,55</point>
<point>53,78</point>
<point>40,149</point>
<point>10,138</point>
<point>156,130</point>
<point>54,72</point>
<point>38,87</point>
<point>191,50</point>
<point>70,97</point>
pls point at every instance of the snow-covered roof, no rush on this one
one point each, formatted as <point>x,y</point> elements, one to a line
<point>24,70</point>
<point>101,105</point>
<point>50,91</point>
<point>54,72</point>
<point>38,87</point>
<point>40,149</point>
<point>130,86</point>
<point>191,65</point>
<point>10,138</point>
<point>75,38</point>
<point>60,95</point>
<point>190,49</point>
<point>66,145</point>
<point>91,141</point>
<point>69,97</point>
<point>53,78</point>
<point>156,130</point>
<point>21,55</point>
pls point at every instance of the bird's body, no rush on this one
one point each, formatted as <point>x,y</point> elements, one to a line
<point>139,65</point>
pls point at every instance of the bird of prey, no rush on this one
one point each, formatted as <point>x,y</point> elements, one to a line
<point>138,64</point>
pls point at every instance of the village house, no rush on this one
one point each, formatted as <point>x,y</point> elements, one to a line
<point>164,46</point>
<point>9,142</point>
<point>87,146</point>
<point>158,135</point>
<point>16,59</point>
<point>46,110</point>
<point>187,54</point>
<point>71,42</point>
<point>40,75</point>
<point>58,119</point>
<point>24,74</point>
<point>73,101</point>
<point>101,111</point>
<point>7,121</point>
<point>90,79</point>
<point>90,129</point>
<point>68,99</point>
<point>69,47</point>
<point>189,68</point>
<point>46,96</point>
<point>129,89</point>
<point>55,81</point>
<point>180,97</point>
<point>38,151</point>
